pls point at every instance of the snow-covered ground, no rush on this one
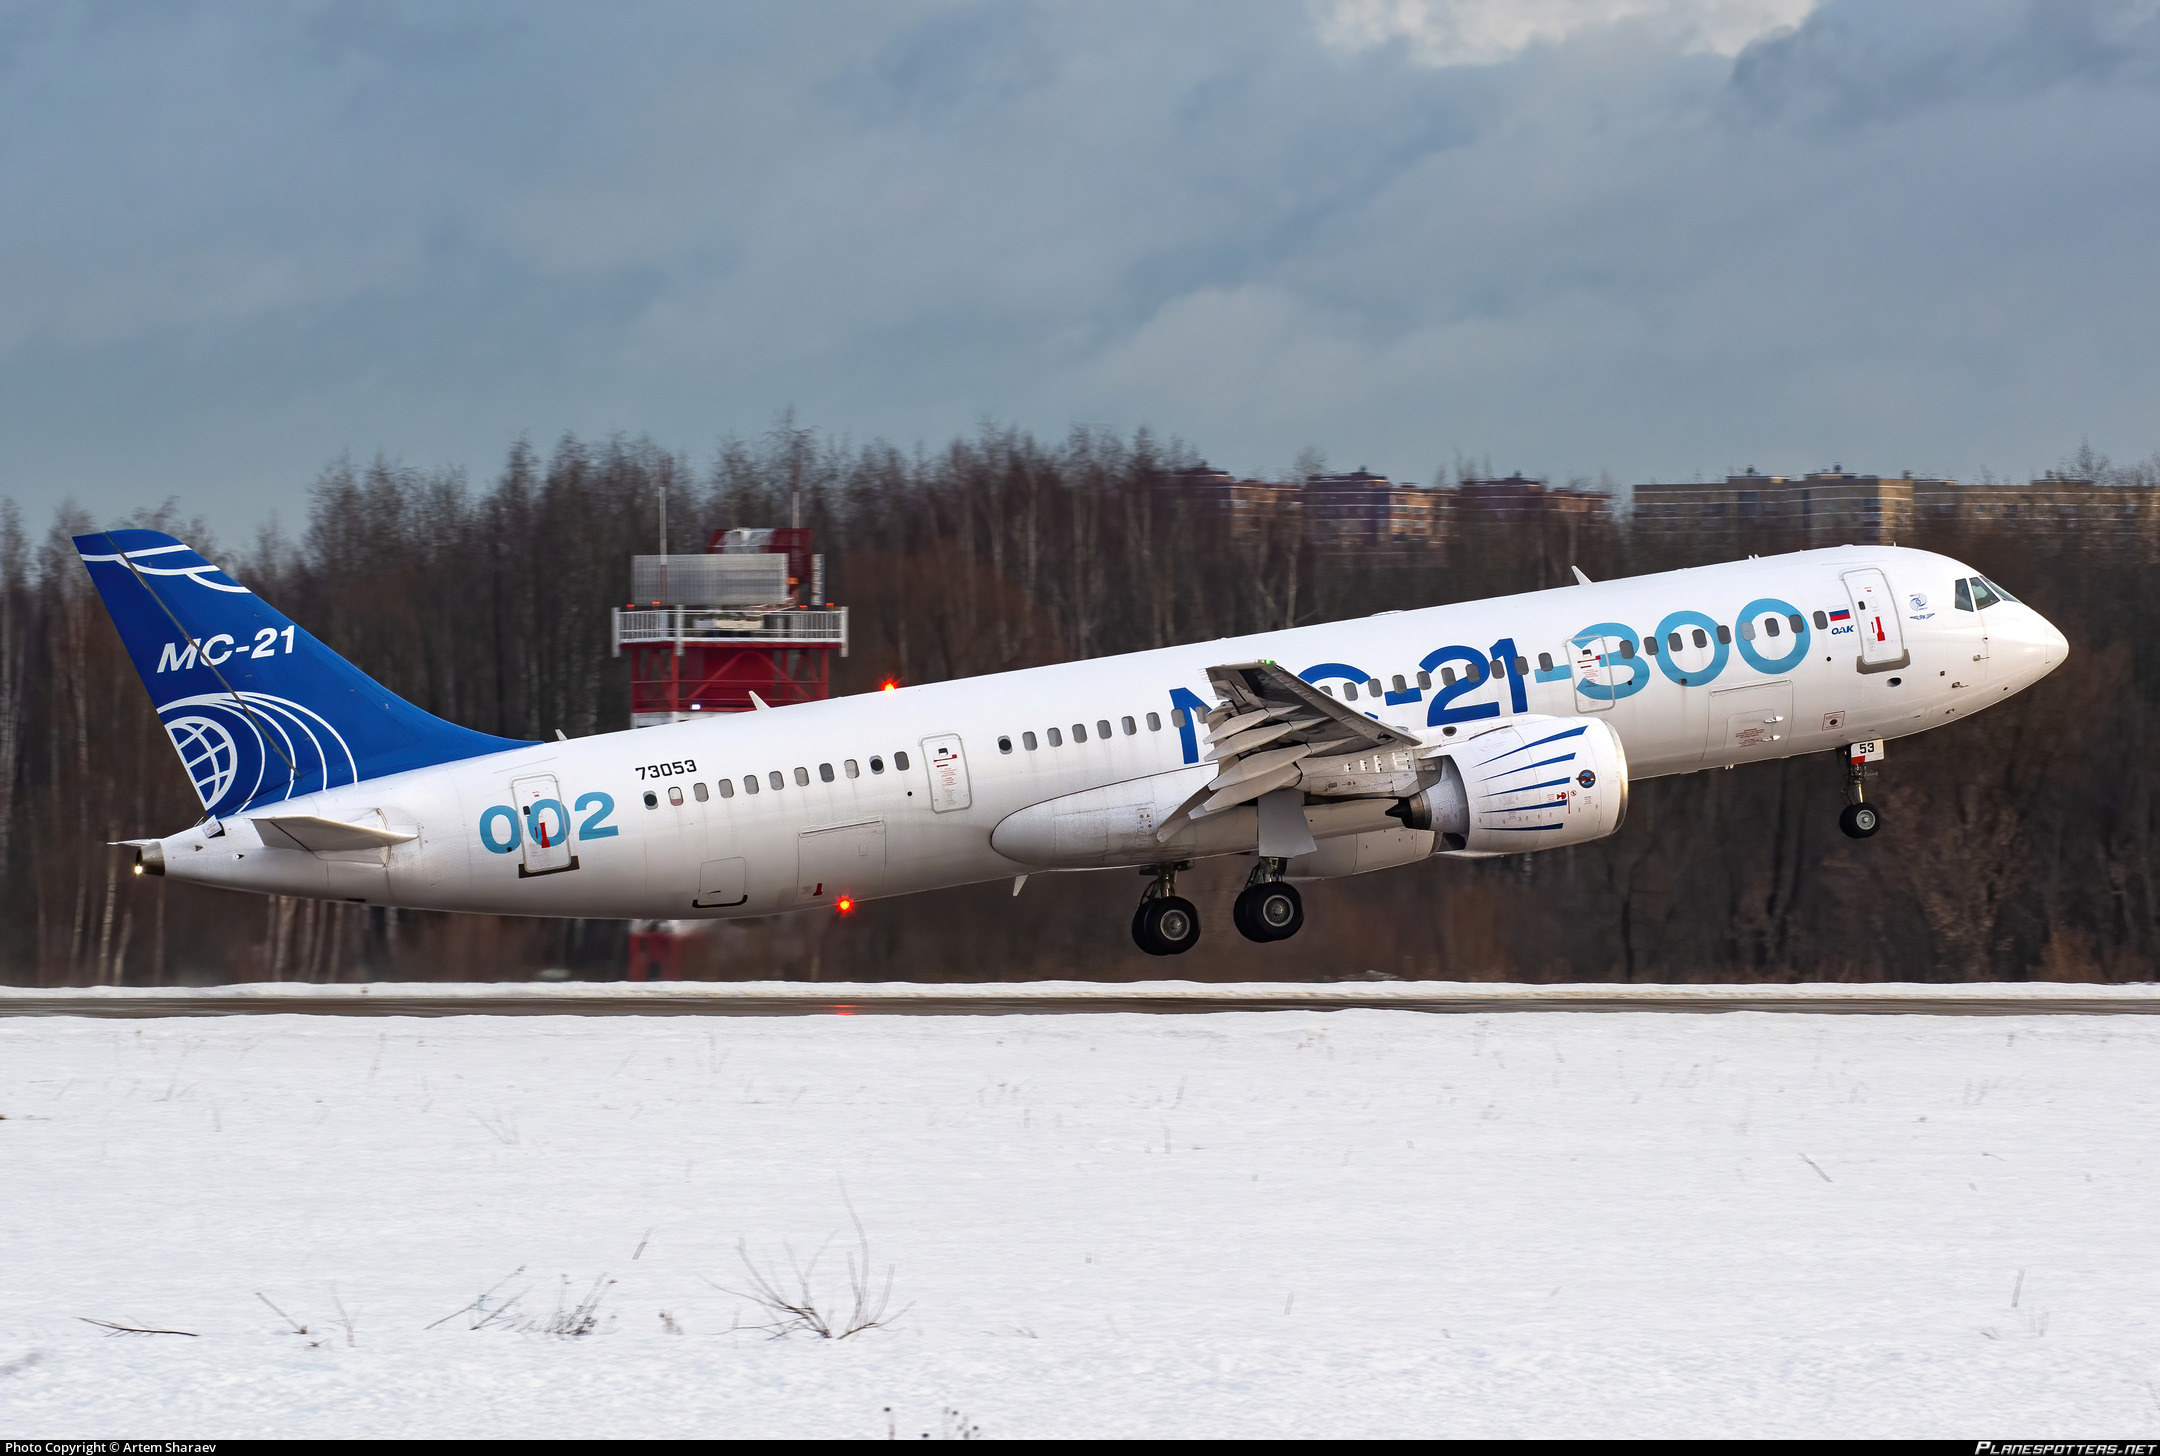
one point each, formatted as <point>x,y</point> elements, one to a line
<point>1285,1223</point>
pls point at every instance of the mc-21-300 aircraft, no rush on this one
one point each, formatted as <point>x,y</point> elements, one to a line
<point>1504,726</point>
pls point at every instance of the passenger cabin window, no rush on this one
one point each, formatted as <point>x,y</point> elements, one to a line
<point>1773,626</point>
<point>1672,640</point>
<point>1154,723</point>
<point>1447,676</point>
<point>1747,631</point>
<point>877,765</point>
<point>1982,597</point>
<point>1178,718</point>
<point>1544,662</point>
<point>1724,634</point>
<point>749,783</point>
<point>699,792</point>
<point>1079,732</point>
<point>1349,692</point>
<point>1400,686</point>
<point>1822,622</point>
<point>1102,728</point>
<point>1004,744</point>
<point>1964,596</point>
<point>1328,690</point>
<point>899,761</point>
<point>802,778</point>
<point>1027,741</point>
<point>1649,645</point>
<point>1057,739</point>
<point>1627,649</point>
<point>825,773</point>
<point>727,788</point>
<point>1424,681</point>
<point>1373,686</point>
<point>674,795</point>
<point>776,780</point>
<point>1702,638</point>
<point>1132,729</point>
<point>852,769</point>
<point>1798,622</point>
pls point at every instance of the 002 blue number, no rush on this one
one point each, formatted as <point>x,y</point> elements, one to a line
<point>597,826</point>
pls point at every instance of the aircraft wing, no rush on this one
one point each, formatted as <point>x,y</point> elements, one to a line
<point>1274,730</point>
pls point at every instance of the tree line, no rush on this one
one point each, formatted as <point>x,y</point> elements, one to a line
<point>2020,842</point>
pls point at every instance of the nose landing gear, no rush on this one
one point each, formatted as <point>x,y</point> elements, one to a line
<point>1268,908</point>
<point>1859,819</point>
<point>1166,923</point>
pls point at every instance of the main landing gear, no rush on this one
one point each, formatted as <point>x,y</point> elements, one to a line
<point>1166,923</point>
<point>1859,819</point>
<point>1268,908</point>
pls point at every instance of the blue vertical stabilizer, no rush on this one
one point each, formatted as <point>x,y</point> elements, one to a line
<point>257,709</point>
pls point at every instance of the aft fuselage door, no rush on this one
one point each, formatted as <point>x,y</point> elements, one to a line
<point>1875,618</point>
<point>949,790</point>
<point>544,824</point>
<point>1591,658</point>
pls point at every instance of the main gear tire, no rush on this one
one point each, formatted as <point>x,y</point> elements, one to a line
<point>1167,926</point>
<point>1269,912</point>
<point>1859,821</point>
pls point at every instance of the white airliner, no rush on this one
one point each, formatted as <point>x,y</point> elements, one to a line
<point>1504,726</point>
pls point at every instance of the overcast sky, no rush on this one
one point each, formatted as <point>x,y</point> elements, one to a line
<point>1651,237</point>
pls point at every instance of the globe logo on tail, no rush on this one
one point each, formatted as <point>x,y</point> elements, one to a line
<point>243,747</point>
<point>211,756</point>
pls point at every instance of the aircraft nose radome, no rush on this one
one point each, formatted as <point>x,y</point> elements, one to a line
<point>2043,646</point>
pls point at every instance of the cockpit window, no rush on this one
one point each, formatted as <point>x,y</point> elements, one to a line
<point>1982,597</point>
<point>1996,587</point>
<point>1964,595</point>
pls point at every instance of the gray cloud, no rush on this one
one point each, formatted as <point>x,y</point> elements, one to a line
<point>235,241</point>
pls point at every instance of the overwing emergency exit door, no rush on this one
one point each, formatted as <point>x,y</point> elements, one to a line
<point>1875,619</point>
<point>1591,659</point>
<point>948,773</point>
<point>543,826</point>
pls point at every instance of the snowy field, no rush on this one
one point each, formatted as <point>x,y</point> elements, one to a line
<point>1357,1223</point>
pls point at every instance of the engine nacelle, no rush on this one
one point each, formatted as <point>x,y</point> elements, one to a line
<point>1528,784</point>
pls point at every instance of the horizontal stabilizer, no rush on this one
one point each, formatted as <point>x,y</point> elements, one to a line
<point>307,831</point>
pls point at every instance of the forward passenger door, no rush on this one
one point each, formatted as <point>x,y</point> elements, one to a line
<point>1875,618</point>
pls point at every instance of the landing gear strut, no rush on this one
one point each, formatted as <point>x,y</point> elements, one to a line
<point>1859,819</point>
<point>1268,908</point>
<point>1166,923</point>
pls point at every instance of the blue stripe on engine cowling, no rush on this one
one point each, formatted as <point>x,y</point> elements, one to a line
<point>1541,763</point>
<point>1527,788</point>
<point>1525,748</point>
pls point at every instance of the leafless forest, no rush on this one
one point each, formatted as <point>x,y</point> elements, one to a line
<point>2019,844</point>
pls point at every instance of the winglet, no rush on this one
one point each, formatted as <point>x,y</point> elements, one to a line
<point>762,705</point>
<point>1586,581</point>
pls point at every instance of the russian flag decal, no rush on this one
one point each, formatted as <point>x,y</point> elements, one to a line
<point>1841,615</point>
